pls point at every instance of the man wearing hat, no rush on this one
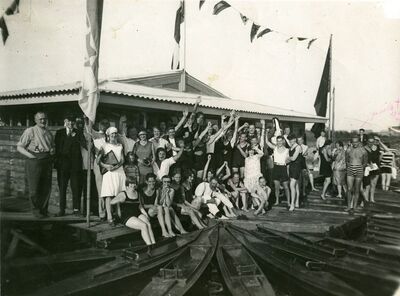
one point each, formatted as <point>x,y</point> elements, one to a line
<point>69,164</point>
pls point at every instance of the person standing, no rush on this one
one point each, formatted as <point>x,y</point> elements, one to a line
<point>144,152</point>
<point>325,168</point>
<point>362,136</point>
<point>68,163</point>
<point>37,144</point>
<point>295,168</point>
<point>356,161</point>
<point>114,178</point>
<point>339,168</point>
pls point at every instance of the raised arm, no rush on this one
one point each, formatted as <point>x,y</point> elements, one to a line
<point>201,136</point>
<point>178,155</point>
<point>267,141</point>
<point>235,132</point>
<point>121,197</point>
<point>182,121</point>
<point>227,172</point>
<point>206,167</point>
<point>262,139</point>
<point>241,151</point>
<point>296,154</point>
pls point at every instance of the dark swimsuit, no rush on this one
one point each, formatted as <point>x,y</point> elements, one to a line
<point>129,208</point>
<point>295,166</point>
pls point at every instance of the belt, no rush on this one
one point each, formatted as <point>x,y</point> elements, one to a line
<point>280,164</point>
<point>41,155</point>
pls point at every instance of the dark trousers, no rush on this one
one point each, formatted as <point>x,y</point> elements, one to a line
<point>39,175</point>
<point>94,200</point>
<point>63,178</point>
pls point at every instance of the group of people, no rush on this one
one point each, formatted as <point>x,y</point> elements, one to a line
<point>195,168</point>
<point>355,168</point>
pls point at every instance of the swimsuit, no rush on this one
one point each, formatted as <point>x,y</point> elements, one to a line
<point>355,170</point>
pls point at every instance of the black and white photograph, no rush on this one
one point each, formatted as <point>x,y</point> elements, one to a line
<point>200,147</point>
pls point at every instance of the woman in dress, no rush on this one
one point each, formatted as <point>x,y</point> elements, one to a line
<point>326,166</point>
<point>252,168</point>
<point>114,179</point>
<point>131,169</point>
<point>133,215</point>
<point>339,168</point>
<point>144,152</point>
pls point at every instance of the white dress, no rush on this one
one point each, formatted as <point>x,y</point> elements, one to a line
<point>252,172</point>
<point>113,182</point>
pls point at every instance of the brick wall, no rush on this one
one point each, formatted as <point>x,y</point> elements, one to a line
<point>12,173</point>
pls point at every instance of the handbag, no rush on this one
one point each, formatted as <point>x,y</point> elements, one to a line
<point>110,159</point>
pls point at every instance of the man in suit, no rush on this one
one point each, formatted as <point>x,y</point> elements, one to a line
<point>69,164</point>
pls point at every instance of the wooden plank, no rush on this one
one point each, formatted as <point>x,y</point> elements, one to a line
<point>104,231</point>
<point>29,217</point>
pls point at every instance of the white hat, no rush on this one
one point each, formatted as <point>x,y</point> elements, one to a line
<point>111,130</point>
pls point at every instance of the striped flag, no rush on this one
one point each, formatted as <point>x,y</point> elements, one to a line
<point>201,3</point>
<point>3,30</point>
<point>220,6</point>
<point>311,42</point>
<point>179,19</point>
<point>244,19</point>
<point>89,96</point>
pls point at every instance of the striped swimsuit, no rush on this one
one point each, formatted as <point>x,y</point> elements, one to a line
<point>355,170</point>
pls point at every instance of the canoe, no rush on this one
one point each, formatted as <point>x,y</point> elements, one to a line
<point>124,266</point>
<point>289,274</point>
<point>179,275</point>
<point>369,277</point>
<point>240,271</point>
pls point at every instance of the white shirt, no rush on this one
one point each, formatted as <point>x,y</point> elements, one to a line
<point>128,143</point>
<point>280,157</point>
<point>164,167</point>
<point>172,141</point>
<point>320,142</point>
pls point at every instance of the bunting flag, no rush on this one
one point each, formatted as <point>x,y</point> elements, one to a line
<point>287,40</point>
<point>244,19</point>
<point>263,32</point>
<point>311,42</point>
<point>321,101</point>
<point>3,29</point>
<point>201,3</point>
<point>254,30</point>
<point>301,38</point>
<point>179,19</point>
<point>13,8</point>
<point>220,6</point>
<point>89,95</point>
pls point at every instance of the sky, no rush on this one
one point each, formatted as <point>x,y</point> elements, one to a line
<point>46,47</point>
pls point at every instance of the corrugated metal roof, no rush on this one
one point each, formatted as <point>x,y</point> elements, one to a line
<point>52,98</point>
<point>206,101</point>
<point>42,90</point>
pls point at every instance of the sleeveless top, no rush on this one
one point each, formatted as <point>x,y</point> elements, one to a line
<point>373,156</point>
<point>280,157</point>
<point>129,208</point>
<point>298,160</point>
<point>148,199</point>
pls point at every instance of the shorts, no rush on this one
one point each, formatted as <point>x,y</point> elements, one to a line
<point>295,172</point>
<point>355,170</point>
<point>279,173</point>
<point>386,170</point>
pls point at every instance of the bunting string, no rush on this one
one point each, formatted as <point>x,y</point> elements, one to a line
<point>257,31</point>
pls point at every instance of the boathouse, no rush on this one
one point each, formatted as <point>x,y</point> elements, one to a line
<point>146,100</point>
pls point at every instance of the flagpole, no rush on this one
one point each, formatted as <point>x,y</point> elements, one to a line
<point>89,126</point>
<point>330,89</point>
<point>182,85</point>
<point>333,113</point>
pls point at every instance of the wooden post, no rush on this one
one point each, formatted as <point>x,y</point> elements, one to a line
<point>333,114</point>
<point>89,126</point>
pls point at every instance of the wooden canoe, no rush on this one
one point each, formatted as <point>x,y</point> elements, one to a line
<point>179,275</point>
<point>240,271</point>
<point>120,268</point>
<point>290,275</point>
<point>369,277</point>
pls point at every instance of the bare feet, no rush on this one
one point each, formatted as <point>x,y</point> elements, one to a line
<point>314,189</point>
<point>323,197</point>
<point>172,234</point>
<point>291,209</point>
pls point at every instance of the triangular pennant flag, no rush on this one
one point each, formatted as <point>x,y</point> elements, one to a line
<point>220,6</point>
<point>244,18</point>
<point>263,32</point>
<point>254,30</point>
<point>3,29</point>
<point>301,38</point>
<point>287,40</point>
<point>311,42</point>
<point>13,8</point>
<point>201,3</point>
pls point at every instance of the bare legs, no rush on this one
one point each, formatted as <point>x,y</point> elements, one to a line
<point>141,223</point>
<point>353,191</point>
<point>294,193</point>
<point>386,181</point>
<point>374,181</point>
<point>277,185</point>
<point>326,184</point>
<point>176,221</point>
<point>164,219</point>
